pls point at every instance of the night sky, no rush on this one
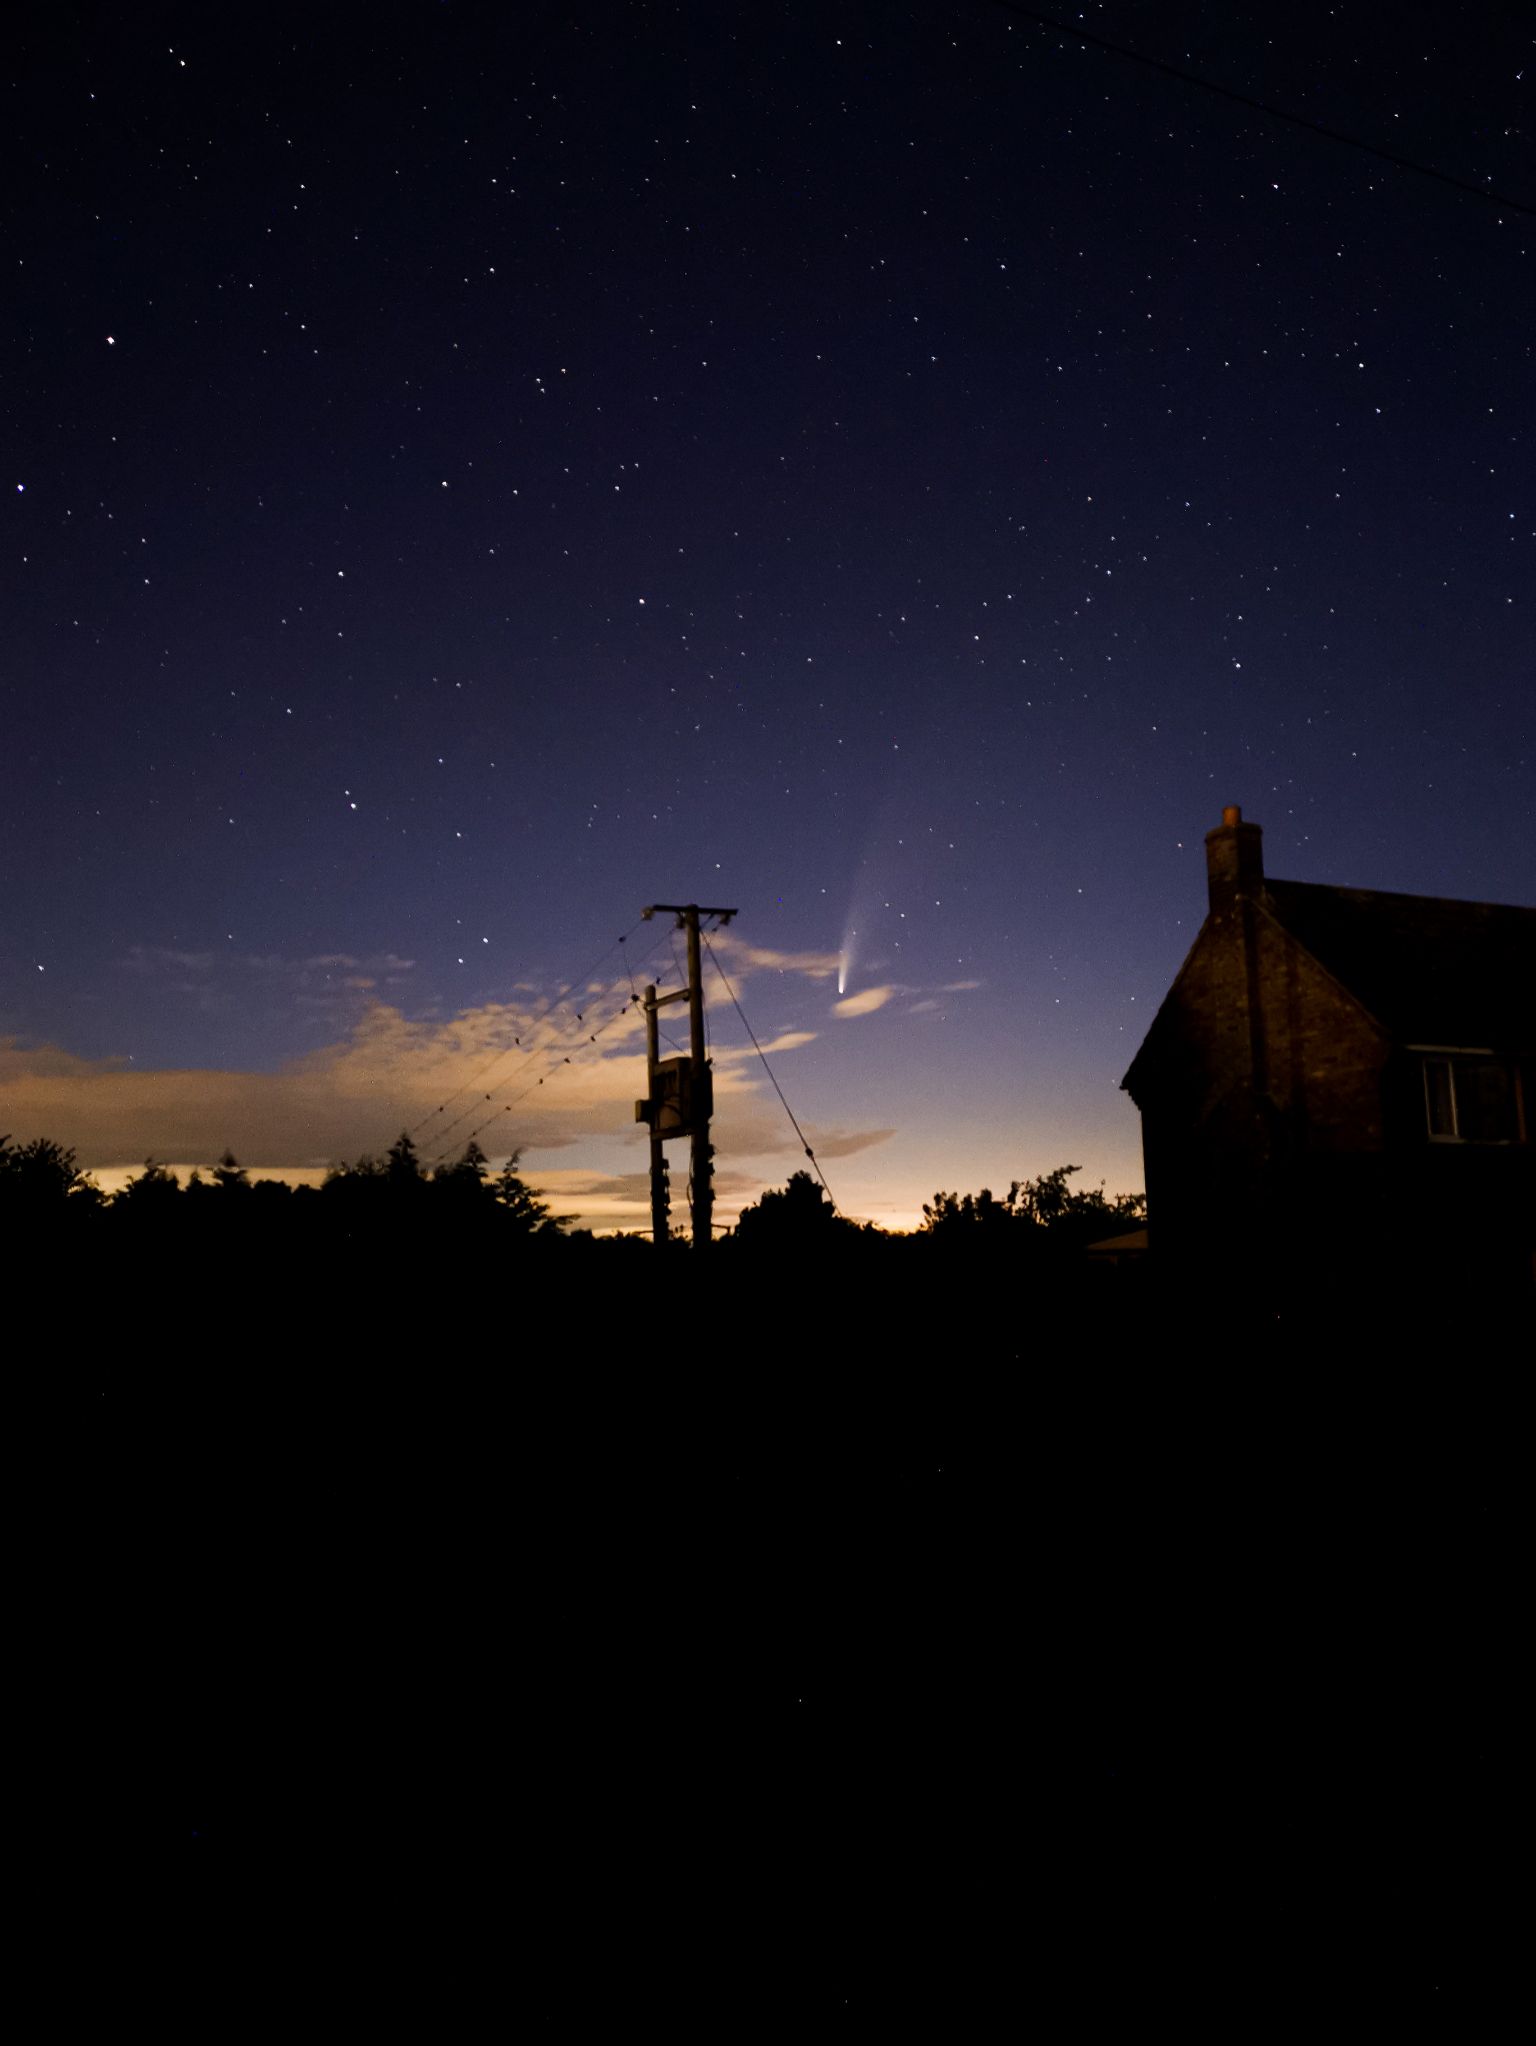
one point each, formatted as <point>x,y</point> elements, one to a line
<point>471,473</point>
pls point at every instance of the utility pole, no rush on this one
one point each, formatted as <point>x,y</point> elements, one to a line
<point>680,1098</point>
<point>660,1228</point>
<point>701,1182</point>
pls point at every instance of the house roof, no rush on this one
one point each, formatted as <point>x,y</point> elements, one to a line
<point>1430,971</point>
<point>1126,1244</point>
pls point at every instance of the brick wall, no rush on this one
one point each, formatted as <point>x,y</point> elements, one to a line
<point>1258,1061</point>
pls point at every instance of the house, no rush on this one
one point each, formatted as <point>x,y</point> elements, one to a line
<point>1342,1080</point>
<point>1110,1253</point>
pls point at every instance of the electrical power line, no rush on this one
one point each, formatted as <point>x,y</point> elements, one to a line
<point>530,1051</point>
<point>800,1133</point>
<point>578,1048</point>
<point>516,1044</point>
<point>1259,106</point>
<point>559,1065</point>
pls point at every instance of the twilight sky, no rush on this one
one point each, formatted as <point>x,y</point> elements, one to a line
<point>472,472</point>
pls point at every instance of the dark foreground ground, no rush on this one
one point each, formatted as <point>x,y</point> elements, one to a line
<point>746,1655</point>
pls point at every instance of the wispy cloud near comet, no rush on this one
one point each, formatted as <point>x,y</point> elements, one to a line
<point>865,1002</point>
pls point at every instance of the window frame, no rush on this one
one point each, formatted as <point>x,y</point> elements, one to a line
<point>1454,1058</point>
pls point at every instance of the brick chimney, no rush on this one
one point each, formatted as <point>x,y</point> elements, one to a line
<point>1234,860</point>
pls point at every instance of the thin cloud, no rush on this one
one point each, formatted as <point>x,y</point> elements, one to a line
<point>213,973</point>
<point>737,953</point>
<point>161,959</point>
<point>847,1144</point>
<point>865,1002</point>
<point>737,1054</point>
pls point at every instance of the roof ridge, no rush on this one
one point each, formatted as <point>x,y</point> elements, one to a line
<point>1398,895</point>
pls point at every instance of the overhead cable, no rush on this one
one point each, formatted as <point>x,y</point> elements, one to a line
<point>800,1133</point>
<point>516,1044</point>
<point>1259,106</point>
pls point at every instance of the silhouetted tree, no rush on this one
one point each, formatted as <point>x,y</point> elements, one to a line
<point>362,1170</point>
<point>155,1184</point>
<point>396,1190</point>
<point>527,1214</point>
<point>948,1214</point>
<point>383,1210</point>
<point>41,1177</point>
<point>798,1216</point>
<point>229,1175</point>
<point>1043,1211</point>
<point>1074,1215</point>
<point>402,1166</point>
<point>466,1177</point>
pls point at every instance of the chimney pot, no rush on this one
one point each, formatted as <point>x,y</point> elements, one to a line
<point>1234,860</point>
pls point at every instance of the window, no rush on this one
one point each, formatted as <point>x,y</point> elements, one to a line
<point>1440,1097</point>
<point>1471,1100</point>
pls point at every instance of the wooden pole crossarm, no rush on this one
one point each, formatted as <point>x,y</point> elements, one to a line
<point>687,909</point>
